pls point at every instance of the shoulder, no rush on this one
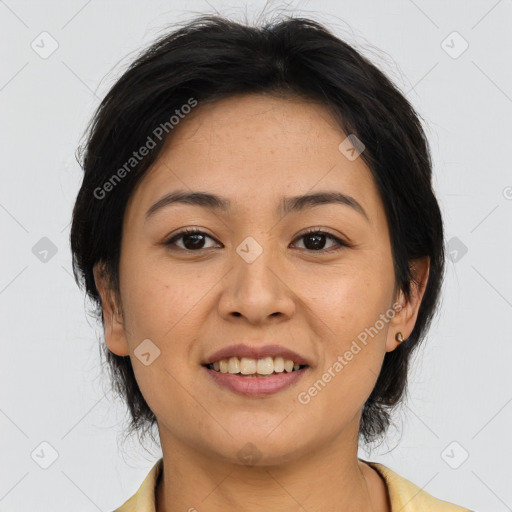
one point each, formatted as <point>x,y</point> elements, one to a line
<point>144,499</point>
<point>408,497</point>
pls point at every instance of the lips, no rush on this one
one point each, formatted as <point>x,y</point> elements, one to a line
<point>243,350</point>
<point>251,386</point>
<point>244,369</point>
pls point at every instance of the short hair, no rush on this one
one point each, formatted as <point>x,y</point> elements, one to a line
<point>211,58</point>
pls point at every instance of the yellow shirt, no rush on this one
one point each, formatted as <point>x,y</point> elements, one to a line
<point>404,495</point>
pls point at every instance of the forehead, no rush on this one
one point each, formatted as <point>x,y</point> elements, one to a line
<point>256,149</point>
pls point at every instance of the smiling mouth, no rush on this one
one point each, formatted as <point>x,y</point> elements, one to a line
<point>250,367</point>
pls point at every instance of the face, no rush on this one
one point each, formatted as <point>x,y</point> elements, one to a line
<point>312,276</point>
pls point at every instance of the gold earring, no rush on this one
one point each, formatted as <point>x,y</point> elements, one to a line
<point>399,338</point>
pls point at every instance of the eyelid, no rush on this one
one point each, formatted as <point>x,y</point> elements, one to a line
<point>188,231</point>
<point>342,243</point>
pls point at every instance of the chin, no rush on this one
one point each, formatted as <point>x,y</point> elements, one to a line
<point>258,450</point>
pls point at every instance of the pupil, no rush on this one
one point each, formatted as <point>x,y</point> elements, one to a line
<point>319,241</point>
<point>198,241</point>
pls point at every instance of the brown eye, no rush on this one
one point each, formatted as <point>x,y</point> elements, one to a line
<point>316,241</point>
<point>191,240</point>
<point>195,241</point>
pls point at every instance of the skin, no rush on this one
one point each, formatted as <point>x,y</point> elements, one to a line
<point>254,150</point>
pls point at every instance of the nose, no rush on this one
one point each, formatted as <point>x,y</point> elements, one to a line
<point>258,292</point>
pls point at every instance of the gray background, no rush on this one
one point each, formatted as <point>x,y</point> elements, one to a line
<point>51,385</point>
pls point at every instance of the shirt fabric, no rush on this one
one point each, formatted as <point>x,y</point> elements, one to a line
<point>404,495</point>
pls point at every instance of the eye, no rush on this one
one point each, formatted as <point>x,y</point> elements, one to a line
<point>192,240</point>
<point>196,240</point>
<point>315,240</point>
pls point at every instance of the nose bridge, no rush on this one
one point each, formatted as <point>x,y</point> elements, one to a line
<point>255,269</point>
<point>255,290</point>
<point>253,265</point>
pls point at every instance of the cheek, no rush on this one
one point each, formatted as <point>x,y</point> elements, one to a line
<point>162,310</point>
<point>350,305</point>
<point>351,297</point>
<point>352,343</point>
<point>159,298</point>
<point>158,307</point>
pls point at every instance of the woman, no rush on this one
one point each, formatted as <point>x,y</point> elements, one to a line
<point>258,230</point>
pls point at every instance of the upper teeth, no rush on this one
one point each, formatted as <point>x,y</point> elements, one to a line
<point>248,365</point>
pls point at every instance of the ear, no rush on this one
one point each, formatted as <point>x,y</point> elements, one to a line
<point>407,310</point>
<point>115,335</point>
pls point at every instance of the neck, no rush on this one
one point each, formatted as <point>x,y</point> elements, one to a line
<point>190,481</point>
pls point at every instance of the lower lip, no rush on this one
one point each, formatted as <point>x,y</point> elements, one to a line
<point>256,386</point>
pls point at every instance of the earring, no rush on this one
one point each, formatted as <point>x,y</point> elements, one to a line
<point>399,338</point>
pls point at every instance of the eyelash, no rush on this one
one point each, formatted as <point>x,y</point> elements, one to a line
<point>190,231</point>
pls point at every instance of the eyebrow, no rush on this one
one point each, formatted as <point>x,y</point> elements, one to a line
<point>204,199</point>
<point>288,204</point>
<point>298,203</point>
